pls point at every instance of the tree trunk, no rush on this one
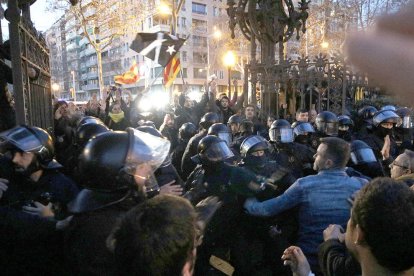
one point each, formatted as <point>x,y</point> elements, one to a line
<point>100,77</point>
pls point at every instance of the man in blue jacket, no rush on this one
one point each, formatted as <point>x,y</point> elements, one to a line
<point>322,199</point>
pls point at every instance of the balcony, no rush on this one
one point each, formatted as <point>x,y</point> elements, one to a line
<point>90,87</point>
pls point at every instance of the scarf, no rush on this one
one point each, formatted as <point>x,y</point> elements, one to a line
<point>117,117</point>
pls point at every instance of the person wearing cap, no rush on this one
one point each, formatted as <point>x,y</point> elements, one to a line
<point>33,197</point>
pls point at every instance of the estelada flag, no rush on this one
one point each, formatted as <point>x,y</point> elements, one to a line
<point>159,47</point>
<point>129,77</point>
<point>171,70</point>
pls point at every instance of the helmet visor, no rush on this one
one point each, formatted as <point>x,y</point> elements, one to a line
<point>250,142</point>
<point>218,152</point>
<point>362,156</point>
<point>286,135</point>
<point>303,128</point>
<point>21,138</point>
<point>145,148</point>
<point>407,122</point>
<point>386,116</point>
<point>226,137</point>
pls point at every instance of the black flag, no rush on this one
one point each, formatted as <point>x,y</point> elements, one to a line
<point>161,47</point>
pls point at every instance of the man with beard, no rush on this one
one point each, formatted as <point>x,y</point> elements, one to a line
<point>33,198</point>
<point>126,162</point>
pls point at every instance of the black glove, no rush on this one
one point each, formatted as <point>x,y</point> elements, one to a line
<point>205,210</point>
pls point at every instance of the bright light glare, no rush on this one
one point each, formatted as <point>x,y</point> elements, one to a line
<point>195,96</point>
<point>229,59</point>
<point>154,100</point>
<point>164,9</point>
<point>325,44</point>
<point>145,104</point>
<point>55,87</point>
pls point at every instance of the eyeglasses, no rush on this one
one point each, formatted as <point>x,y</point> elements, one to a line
<point>398,165</point>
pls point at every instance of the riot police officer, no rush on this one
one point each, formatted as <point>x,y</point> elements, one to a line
<point>297,157</point>
<point>364,161</point>
<point>345,127</point>
<point>33,198</point>
<point>382,140</point>
<point>326,125</point>
<point>117,169</point>
<point>302,132</point>
<point>234,124</point>
<point>185,133</point>
<point>364,121</point>
<point>206,121</point>
<point>404,132</point>
<point>215,177</point>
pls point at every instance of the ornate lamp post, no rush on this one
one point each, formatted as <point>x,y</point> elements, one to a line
<point>271,23</point>
<point>229,61</point>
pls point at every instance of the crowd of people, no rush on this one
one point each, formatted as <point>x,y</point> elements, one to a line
<point>210,188</point>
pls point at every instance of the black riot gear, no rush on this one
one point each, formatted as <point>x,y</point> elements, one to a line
<point>253,143</point>
<point>150,130</point>
<point>327,123</point>
<point>31,139</point>
<point>209,119</point>
<point>345,127</point>
<point>88,120</point>
<point>221,131</point>
<point>187,131</point>
<point>113,162</point>
<point>389,107</point>
<point>87,131</point>
<point>386,116</point>
<point>212,149</point>
<point>406,117</point>
<point>367,112</point>
<point>301,132</point>
<point>281,132</point>
<point>361,153</point>
<point>234,119</point>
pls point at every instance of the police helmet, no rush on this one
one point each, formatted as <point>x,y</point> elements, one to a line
<point>209,119</point>
<point>221,131</point>
<point>151,130</point>
<point>361,153</point>
<point>187,131</point>
<point>84,132</point>
<point>406,116</point>
<point>389,107</point>
<point>234,119</point>
<point>367,112</point>
<point>109,161</point>
<point>87,120</point>
<point>386,116</point>
<point>246,126</point>
<point>253,143</point>
<point>345,122</point>
<point>302,128</point>
<point>281,132</point>
<point>31,139</point>
<point>327,123</point>
<point>212,149</point>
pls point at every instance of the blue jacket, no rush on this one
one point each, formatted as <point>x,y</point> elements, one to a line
<point>322,200</point>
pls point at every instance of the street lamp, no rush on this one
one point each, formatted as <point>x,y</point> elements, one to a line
<point>229,61</point>
<point>325,45</point>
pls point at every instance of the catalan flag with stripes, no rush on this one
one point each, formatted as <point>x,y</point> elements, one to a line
<point>171,70</point>
<point>129,77</point>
